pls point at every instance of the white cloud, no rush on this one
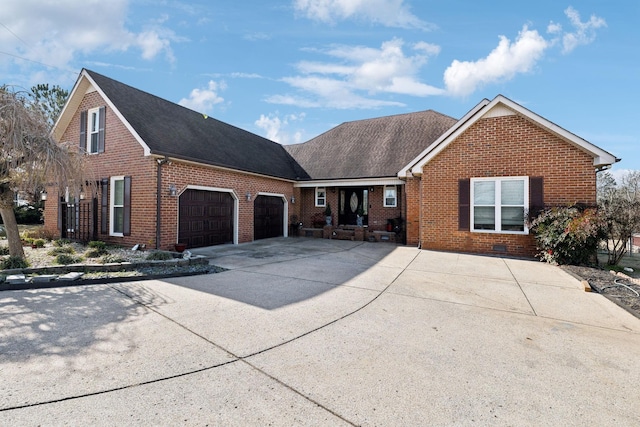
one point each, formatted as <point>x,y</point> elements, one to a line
<point>359,73</point>
<point>203,100</point>
<point>462,78</point>
<point>56,33</point>
<point>390,13</point>
<point>276,128</point>
<point>584,31</point>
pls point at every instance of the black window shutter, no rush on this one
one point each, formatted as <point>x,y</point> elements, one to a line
<point>104,206</point>
<point>536,195</point>
<point>60,202</point>
<point>127,206</point>
<point>464,204</point>
<point>101,122</point>
<point>83,131</point>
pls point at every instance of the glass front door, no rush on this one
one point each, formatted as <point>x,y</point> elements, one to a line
<point>353,203</point>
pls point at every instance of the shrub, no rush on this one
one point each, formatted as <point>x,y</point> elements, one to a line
<point>567,235</point>
<point>14,262</point>
<point>61,242</point>
<point>4,250</point>
<point>98,249</point>
<point>159,256</point>
<point>39,243</point>
<point>98,245</point>
<point>62,250</point>
<point>109,258</point>
<point>65,259</point>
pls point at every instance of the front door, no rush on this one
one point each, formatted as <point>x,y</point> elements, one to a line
<point>353,201</point>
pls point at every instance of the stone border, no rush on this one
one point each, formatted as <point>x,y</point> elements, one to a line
<point>94,268</point>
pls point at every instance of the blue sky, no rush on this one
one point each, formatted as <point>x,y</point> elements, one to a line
<point>292,69</point>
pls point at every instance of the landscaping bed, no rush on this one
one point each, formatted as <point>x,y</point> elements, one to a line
<point>96,263</point>
<point>608,282</point>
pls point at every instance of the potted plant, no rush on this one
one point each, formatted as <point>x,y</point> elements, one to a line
<point>327,213</point>
<point>180,247</point>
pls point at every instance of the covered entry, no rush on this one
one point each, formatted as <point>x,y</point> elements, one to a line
<point>268,217</point>
<point>353,202</point>
<point>205,218</point>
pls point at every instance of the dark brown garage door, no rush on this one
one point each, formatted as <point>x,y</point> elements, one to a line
<point>206,218</point>
<point>268,212</point>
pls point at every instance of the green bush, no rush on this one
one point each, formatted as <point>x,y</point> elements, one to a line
<point>159,256</point>
<point>61,250</point>
<point>98,249</point>
<point>567,235</point>
<point>65,259</point>
<point>4,250</point>
<point>109,259</point>
<point>39,243</point>
<point>28,214</point>
<point>98,245</point>
<point>14,262</point>
<point>61,242</point>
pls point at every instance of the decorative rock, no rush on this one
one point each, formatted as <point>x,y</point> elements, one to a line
<point>44,278</point>
<point>16,279</point>
<point>71,276</point>
<point>628,269</point>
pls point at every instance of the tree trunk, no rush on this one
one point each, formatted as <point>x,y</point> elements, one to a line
<point>11,228</point>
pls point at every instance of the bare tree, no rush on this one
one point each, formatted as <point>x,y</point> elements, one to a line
<point>619,207</point>
<point>29,156</point>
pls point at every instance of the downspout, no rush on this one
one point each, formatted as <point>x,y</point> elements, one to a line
<point>159,199</point>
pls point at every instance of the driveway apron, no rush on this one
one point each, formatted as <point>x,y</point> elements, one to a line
<point>302,331</point>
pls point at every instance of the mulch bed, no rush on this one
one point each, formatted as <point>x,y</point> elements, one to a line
<point>604,282</point>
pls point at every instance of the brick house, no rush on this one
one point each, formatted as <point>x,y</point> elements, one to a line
<point>166,174</point>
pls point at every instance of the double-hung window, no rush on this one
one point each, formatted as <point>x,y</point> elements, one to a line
<point>321,197</point>
<point>117,206</point>
<point>390,196</point>
<point>499,204</point>
<point>92,130</point>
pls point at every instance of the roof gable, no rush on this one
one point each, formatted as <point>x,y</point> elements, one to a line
<point>370,148</point>
<point>500,106</point>
<point>167,129</point>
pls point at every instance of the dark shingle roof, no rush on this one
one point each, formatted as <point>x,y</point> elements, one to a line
<point>172,130</point>
<point>370,148</point>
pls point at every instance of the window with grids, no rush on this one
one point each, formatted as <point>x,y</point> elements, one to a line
<point>93,130</point>
<point>321,197</point>
<point>117,206</point>
<point>390,196</point>
<point>499,204</point>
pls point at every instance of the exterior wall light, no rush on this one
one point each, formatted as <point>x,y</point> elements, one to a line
<point>172,190</point>
<point>248,197</point>
<point>43,196</point>
<point>293,200</point>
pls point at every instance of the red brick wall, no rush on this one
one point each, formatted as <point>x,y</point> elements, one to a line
<point>412,197</point>
<point>123,155</point>
<point>183,175</point>
<point>378,214</point>
<point>495,147</point>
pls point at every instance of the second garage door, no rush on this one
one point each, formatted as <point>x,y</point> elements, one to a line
<point>268,220</point>
<point>206,218</point>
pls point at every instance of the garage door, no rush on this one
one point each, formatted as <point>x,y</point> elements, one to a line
<point>268,219</point>
<point>206,218</point>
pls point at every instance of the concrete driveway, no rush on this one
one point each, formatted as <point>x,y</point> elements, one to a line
<point>319,332</point>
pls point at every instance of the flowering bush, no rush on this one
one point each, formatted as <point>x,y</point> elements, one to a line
<point>567,235</point>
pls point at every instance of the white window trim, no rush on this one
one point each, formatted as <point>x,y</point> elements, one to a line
<point>324,203</point>
<point>112,197</point>
<point>395,196</point>
<point>498,205</point>
<point>90,132</point>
